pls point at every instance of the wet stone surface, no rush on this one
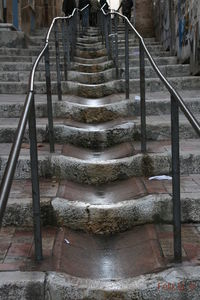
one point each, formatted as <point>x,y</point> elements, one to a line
<point>144,249</point>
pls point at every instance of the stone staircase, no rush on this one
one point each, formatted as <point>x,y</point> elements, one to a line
<point>97,181</point>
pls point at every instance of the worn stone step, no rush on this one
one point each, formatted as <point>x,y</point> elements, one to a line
<point>78,166</point>
<point>98,77</point>
<point>133,42</point>
<point>121,205</point>
<point>135,54</point>
<point>159,127</point>
<point>104,134</point>
<point>92,68</point>
<point>90,54</point>
<point>27,66</point>
<point>121,43</point>
<point>89,40</point>
<point>85,78</point>
<point>90,60</point>
<point>35,52</point>
<point>12,58</point>
<point>152,84</point>
<point>103,89</point>
<point>18,51</point>
<point>82,67</point>
<point>135,49</point>
<point>8,60</point>
<point>167,71</point>
<point>159,60</point>
<point>98,110</point>
<point>111,208</point>
<point>95,46</point>
<point>82,134</point>
<point>89,47</point>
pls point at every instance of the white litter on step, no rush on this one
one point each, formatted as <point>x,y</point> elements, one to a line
<point>160,177</point>
<point>66,241</point>
<point>137,98</point>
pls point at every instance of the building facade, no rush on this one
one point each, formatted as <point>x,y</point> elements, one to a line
<point>177,25</point>
<point>27,15</point>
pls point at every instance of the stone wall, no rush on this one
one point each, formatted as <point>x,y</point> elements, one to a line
<point>177,26</point>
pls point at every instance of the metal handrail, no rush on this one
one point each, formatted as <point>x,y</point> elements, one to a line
<point>176,103</point>
<point>8,175</point>
<point>195,124</point>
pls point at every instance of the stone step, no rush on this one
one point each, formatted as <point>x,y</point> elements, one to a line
<point>94,46</point>
<point>86,42</point>
<point>85,46</point>
<point>172,60</point>
<point>14,63</point>
<point>8,60</point>
<point>20,59</point>
<point>90,40</point>
<point>18,51</point>
<point>90,47</point>
<point>86,135</point>
<point>27,66</point>
<point>167,71</point>
<point>123,204</point>
<point>90,54</point>
<point>153,53</point>
<point>87,166</point>
<point>101,135</point>
<point>112,207</point>
<point>99,77</point>
<point>35,52</point>
<point>133,51</point>
<point>92,68</point>
<point>98,110</point>
<point>90,60</point>
<point>88,68</point>
<point>103,89</point>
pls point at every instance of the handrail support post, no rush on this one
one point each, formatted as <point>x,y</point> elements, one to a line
<point>35,182</point>
<point>58,62</point>
<point>126,60</point>
<point>176,180</point>
<point>116,47</point>
<point>142,99</point>
<point>49,100</point>
<point>64,48</point>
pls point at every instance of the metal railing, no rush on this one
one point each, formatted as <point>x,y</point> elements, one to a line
<point>68,26</point>
<point>107,18</point>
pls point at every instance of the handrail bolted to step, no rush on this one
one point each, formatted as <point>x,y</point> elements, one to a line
<point>28,115</point>
<point>176,103</point>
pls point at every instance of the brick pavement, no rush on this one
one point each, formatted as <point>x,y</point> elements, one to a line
<point>144,249</point>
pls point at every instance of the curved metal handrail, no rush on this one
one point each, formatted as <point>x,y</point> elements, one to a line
<point>16,146</point>
<point>191,118</point>
<point>176,102</point>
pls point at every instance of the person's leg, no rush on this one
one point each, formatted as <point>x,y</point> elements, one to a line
<point>85,18</point>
